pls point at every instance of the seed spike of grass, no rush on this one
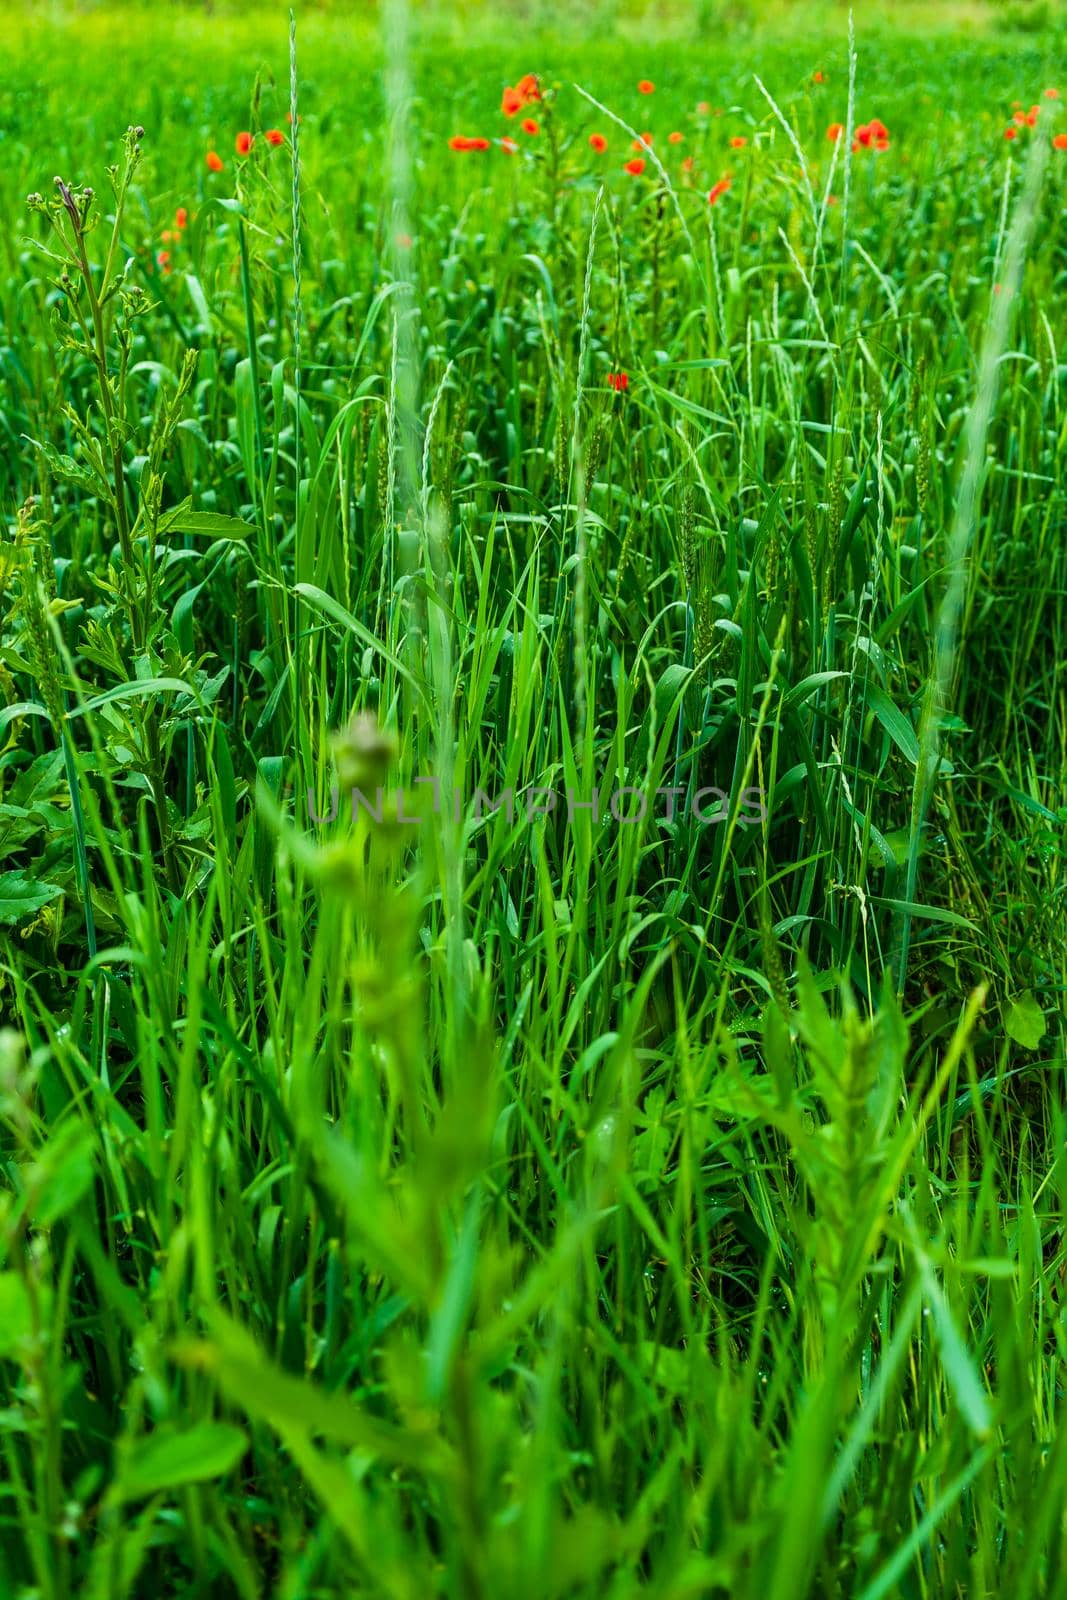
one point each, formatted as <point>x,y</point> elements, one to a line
<point>962,533</point>
<point>294,145</point>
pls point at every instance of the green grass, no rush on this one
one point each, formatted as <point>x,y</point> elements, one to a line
<point>532,1205</point>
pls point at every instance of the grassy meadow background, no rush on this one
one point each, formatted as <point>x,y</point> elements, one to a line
<point>533,1205</point>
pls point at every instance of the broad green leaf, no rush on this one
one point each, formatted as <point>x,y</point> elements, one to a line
<point>203,524</point>
<point>166,1459</point>
<point>894,722</point>
<point>252,1381</point>
<point>1025,1021</point>
<point>22,708</point>
<point>62,1174</point>
<point>807,686</point>
<point>21,896</point>
<point>16,1317</point>
<point>134,691</point>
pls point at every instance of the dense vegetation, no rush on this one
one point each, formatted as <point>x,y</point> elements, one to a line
<point>620,1152</point>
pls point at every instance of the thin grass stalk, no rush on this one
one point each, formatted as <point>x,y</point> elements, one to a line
<point>938,687</point>
<point>298,550</point>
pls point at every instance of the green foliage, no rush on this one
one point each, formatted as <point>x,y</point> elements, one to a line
<point>418,1197</point>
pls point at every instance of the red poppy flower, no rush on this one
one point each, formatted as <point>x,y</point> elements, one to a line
<point>274,136</point>
<point>634,167</point>
<point>878,129</point>
<point>687,164</point>
<point>1031,117</point>
<point>703,107</point>
<point>528,86</point>
<point>598,143</point>
<point>168,236</point>
<point>818,77</point>
<point>511,102</point>
<point>834,131</point>
<point>181,217</point>
<point>645,87</point>
<point>1059,141</point>
<point>864,136</point>
<point>478,144</point>
<point>509,147</point>
<point>243,143</point>
<point>529,126</point>
<point>163,260</point>
<point>831,199</point>
<point>1018,117</point>
<point>717,190</point>
<point>674,138</point>
<point>618,381</point>
<point>459,142</point>
<point>1011,133</point>
<point>738,142</point>
<point>1052,94</point>
<point>214,161</point>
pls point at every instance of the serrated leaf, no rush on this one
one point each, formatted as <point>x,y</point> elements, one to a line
<point>203,524</point>
<point>71,471</point>
<point>21,896</point>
